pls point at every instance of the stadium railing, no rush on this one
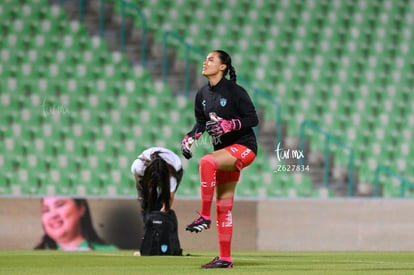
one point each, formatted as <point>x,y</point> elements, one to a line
<point>188,50</point>
<point>404,183</point>
<point>328,139</point>
<point>259,94</point>
<point>126,5</point>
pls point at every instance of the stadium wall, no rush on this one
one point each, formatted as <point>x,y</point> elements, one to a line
<point>276,225</point>
<point>336,224</point>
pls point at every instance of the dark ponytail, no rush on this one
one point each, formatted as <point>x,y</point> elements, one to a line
<point>156,184</point>
<point>226,59</point>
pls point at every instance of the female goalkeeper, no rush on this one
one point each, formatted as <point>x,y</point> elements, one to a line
<point>226,112</point>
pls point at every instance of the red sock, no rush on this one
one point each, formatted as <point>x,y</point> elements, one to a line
<point>225,227</point>
<point>208,169</point>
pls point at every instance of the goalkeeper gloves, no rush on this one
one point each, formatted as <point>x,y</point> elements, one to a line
<point>186,145</point>
<point>218,126</point>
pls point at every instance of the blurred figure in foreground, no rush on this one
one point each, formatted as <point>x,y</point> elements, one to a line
<point>67,224</point>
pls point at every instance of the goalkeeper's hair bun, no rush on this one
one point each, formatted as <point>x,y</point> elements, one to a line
<point>226,59</point>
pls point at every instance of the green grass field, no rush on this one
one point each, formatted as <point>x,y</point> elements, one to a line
<point>122,262</point>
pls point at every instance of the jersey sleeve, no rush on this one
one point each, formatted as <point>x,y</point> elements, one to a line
<point>247,111</point>
<point>200,125</point>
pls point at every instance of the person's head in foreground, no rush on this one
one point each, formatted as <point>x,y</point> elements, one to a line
<point>67,224</point>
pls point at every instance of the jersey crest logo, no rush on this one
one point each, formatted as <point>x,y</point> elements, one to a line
<point>164,248</point>
<point>223,102</point>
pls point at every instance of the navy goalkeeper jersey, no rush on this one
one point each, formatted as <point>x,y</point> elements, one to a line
<point>229,101</point>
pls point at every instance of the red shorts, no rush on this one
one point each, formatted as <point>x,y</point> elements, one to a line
<point>244,157</point>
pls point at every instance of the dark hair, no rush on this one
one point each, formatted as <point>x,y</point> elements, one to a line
<point>155,183</point>
<point>87,229</point>
<point>226,59</point>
